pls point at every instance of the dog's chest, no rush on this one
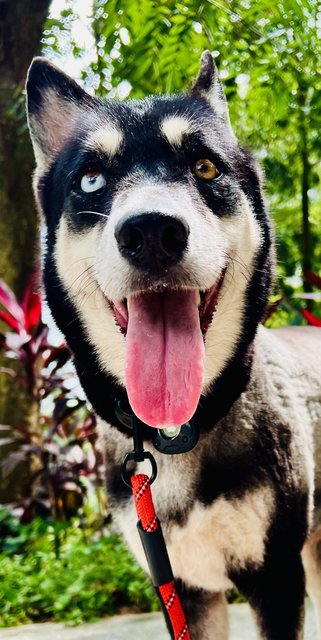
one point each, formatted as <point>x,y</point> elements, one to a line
<point>227,534</point>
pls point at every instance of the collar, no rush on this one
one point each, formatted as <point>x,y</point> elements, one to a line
<point>211,408</point>
<point>182,439</point>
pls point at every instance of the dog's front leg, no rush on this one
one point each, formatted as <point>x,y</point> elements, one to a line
<point>276,592</point>
<point>206,613</point>
<point>311,556</point>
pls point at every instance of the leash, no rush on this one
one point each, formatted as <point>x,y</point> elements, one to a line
<point>152,538</point>
<point>157,557</point>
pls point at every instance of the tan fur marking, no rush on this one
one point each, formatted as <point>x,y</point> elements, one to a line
<point>229,532</point>
<point>107,139</point>
<point>174,128</point>
<point>75,259</point>
<point>311,556</point>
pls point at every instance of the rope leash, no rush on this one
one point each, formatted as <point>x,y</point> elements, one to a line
<point>157,557</point>
<point>151,535</point>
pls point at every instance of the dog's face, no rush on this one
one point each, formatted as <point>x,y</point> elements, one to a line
<point>157,234</point>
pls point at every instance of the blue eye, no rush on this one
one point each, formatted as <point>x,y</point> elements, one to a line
<point>92,181</point>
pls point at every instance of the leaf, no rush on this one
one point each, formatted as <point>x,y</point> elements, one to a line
<point>31,304</point>
<point>10,302</point>
<point>33,312</point>
<point>313,278</point>
<point>15,342</point>
<point>9,320</point>
<point>12,461</point>
<point>39,342</point>
<point>60,355</point>
<point>5,441</point>
<point>311,318</point>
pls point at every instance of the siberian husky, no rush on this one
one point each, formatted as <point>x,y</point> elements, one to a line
<point>159,261</point>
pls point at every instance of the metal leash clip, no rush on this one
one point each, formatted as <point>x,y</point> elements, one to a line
<point>137,455</point>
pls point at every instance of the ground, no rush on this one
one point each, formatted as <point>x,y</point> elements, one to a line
<point>140,627</point>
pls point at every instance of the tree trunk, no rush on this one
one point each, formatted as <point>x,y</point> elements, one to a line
<point>21,26</point>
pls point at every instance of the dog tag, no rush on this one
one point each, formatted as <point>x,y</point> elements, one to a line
<point>176,439</point>
<point>171,432</point>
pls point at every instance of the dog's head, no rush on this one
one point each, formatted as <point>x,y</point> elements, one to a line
<point>157,264</point>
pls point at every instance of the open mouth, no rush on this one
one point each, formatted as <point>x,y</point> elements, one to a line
<point>165,351</point>
<point>207,301</point>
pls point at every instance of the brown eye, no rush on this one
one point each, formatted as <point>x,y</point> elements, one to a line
<point>206,169</point>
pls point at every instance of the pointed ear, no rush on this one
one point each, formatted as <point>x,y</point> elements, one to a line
<point>208,86</point>
<point>54,103</point>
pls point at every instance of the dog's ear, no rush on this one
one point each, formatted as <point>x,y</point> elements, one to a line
<point>208,86</point>
<point>54,103</point>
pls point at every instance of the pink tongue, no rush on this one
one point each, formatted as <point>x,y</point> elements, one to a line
<point>164,357</point>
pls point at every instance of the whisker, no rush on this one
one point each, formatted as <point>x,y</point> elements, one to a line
<point>86,272</point>
<point>96,213</point>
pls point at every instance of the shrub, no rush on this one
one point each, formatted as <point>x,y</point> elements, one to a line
<point>89,579</point>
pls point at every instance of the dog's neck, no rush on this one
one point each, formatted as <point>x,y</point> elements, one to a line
<point>211,408</point>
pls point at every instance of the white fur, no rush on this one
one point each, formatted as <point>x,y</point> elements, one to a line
<point>75,256</point>
<point>107,139</point>
<point>296,396</point>
<point>243,239</point>
<point>229,243</point>
<point>215,97</point>
<point>174,128</point>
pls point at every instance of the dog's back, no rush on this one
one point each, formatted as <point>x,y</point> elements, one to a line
<point>302,349</point>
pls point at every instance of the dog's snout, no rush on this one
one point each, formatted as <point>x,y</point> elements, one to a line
<point>152,240</point>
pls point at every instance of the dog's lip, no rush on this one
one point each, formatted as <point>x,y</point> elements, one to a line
<point>120,313</point>
<point>207,305</point>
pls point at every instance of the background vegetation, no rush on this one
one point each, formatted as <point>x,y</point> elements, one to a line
<point>58,556</point>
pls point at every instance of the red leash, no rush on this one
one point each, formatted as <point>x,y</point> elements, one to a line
<point>157,557</point>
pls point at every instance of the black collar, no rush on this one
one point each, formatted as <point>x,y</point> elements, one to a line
<point>211,408</point>
<point>183,441</point>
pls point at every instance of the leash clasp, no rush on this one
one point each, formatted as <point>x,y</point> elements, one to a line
<point>138,455</point>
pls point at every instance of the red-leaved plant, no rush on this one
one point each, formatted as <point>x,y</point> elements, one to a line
<point>315,280</point>
<point>294,308</point>
<point>28,336</point>
<point>69,461</point>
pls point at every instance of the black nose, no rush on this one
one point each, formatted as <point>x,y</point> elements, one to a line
<point>151,240</point>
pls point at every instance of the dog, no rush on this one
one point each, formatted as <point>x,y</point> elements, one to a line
<point>158,264</point>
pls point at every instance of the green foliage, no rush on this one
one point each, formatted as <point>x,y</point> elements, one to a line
<point>268,55</point>
<point>94,575</point>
